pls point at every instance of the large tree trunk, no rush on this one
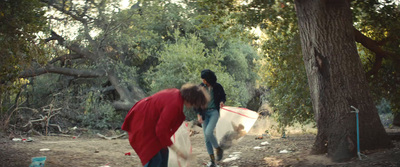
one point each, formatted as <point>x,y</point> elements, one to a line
<point>337,80</point>
<point>396,119</point>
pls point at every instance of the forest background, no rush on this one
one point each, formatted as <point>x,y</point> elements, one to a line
<point>84,63</point>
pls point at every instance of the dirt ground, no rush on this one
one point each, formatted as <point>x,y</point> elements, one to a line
<point>272,150</point>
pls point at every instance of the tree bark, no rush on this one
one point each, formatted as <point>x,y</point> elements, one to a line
<point>396,119</point>
<point>65,71</point>
<point>377,49</point>
<point>337,81</point>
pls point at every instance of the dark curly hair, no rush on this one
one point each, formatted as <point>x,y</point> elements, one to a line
<point>195,95</point>
<point>209,76</point>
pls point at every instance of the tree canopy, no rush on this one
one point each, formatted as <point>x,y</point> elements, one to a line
<point>100,59</point>
<point>376,26</point>
<point>20,21</point>
<point>95,59</point>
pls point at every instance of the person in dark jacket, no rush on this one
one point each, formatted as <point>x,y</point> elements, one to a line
<point>152,121</point>
<point>209,117</point>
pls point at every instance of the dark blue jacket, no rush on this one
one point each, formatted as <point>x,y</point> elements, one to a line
<point>219,96</point>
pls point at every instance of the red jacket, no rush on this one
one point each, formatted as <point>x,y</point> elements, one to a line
<point>152,121</point>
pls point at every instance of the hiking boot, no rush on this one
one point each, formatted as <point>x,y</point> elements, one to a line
<point>220,153</point>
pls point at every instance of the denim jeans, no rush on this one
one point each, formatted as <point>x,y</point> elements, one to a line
<point>210,121</point>
<point>160,159</point>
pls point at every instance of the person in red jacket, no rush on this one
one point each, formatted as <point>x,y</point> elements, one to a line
<point>152,121</point>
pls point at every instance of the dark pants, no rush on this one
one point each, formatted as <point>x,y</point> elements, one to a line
<point>160,159</point>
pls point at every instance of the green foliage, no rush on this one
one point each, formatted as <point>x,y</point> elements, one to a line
<point>20,20</point>
<point>380,21</point>
<point>211,13</point>
<point>43,88</point>
<point>135,42</point>
<point>288,91</point>
<point>387,119</point>
<point>141,33</point>
<point>384,107</point>
<point>161,44</point>
<point>11,97</point>
<point>182,62</point>
<point>282,70</point>
<point>127,74</point>
<point>240,60</point>
<point>217,20</point>
<point>100,115</point>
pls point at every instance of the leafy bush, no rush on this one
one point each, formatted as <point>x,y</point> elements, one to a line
<point>100,115</point>
<point>384,107</point>
<point>182,62</point>
<point>386,119</point>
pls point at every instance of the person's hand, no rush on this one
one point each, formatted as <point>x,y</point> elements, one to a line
<point>221,104</point>
<point>200,119</point>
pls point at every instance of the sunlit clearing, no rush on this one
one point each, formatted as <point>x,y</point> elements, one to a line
<point>269,125</point>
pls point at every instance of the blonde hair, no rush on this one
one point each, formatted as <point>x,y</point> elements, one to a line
<point>195,95</point>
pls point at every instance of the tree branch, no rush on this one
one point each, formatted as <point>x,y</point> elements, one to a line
<point>75,15</point>
<point>128,97</point>
<point>376,48</point>
<point>65,57</point>
<point>122,91</point>
<point>370,44</point>
<point>61,9</point>
<point>74,47</point>
<point>377,65</point>
<point>55,36</point>
<point>123,105</point>
<point>65,71</point>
